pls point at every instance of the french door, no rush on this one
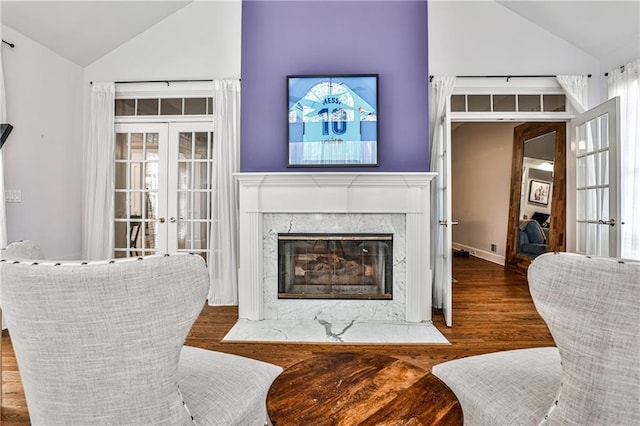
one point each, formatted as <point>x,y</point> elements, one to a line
<point>162,193</point>
<point>595,135</point>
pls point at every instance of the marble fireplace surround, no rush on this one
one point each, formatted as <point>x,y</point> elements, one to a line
<point>397,203</point>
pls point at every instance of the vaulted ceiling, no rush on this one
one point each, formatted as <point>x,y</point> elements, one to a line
<point>83,31</point>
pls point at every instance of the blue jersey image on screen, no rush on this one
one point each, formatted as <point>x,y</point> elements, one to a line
<point>333,120</point>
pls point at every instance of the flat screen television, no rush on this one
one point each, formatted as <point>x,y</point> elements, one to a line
<point>5,129</point>
<point>332,120</point>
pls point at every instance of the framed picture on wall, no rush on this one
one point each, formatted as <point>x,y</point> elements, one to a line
<point>539,192</point>
<point>332,120</point>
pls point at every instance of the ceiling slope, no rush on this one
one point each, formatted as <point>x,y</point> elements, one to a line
<point>84,31</point>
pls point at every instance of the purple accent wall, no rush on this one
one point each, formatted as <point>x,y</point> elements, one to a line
<point>388,38</point>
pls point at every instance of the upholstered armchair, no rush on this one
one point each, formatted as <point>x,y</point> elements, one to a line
<point>591,378</point>
<point>102,343</point>
<point>23,249</point>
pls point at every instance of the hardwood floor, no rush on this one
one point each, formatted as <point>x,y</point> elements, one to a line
<point>492,311</point>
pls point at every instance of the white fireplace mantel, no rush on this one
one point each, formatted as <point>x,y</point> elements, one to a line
<point>334,193</point>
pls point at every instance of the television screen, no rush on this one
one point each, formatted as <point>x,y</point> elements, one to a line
<point>332,120</point>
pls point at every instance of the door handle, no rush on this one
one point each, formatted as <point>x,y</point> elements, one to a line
<point>161,220</point>
<point>172,219</point>
<point>610,222</point>
<point>444,222</point>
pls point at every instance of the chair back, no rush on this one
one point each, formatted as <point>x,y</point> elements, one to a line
<point>23,249</point>
<point>591,306</point>
<point>99,342</point>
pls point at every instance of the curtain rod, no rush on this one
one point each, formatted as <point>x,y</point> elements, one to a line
<point>606,74</point>
<point>167,82</point>
<point>508,77</point>
<point>11,45</point>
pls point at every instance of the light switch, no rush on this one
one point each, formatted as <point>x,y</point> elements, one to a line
<point>13,196</point>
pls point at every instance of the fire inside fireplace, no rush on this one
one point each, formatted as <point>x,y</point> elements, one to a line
<point>335,266</point>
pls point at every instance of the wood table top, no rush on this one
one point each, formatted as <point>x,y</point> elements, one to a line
<point>360,389</point>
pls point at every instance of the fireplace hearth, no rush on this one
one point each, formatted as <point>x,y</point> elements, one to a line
<point>335,266</point>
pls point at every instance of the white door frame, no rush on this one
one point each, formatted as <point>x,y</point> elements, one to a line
<point>519,86</point>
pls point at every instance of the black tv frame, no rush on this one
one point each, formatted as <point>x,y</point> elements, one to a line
<point>5,128</point>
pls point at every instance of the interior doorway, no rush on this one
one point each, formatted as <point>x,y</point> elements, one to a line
<point>481,163</point>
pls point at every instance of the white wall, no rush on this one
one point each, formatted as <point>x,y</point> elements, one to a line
<point>42,154</point>
<point>485,38</point>
<point>199,41</point>
<point>48,98</point>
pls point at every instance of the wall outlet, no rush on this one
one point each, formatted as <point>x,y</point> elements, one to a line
<point>494,248</point>
<point>13,196</point>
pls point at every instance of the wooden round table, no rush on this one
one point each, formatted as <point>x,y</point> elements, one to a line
<point>360,389</point>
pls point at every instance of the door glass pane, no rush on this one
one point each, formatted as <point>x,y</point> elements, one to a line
<point>184,175</point>
<point>604,168</point>
<point>591,212</point>
<point>135,206</point>
<point>136,142</point>
<point>201,175</point>
<point>554,103</point>
<point>603,240</point>
<point>591,237</point>
<point>479,103</point>
<point>195,105</point>
<point>529,103</point>
<point>147,107</point>
<point>184,205</point>
<point>120,231</point>
<point>151,210</point>
<point>125,107</point>
<point>581,172</point>
<point>121,175</point>
<point>581,240</point>
<point>185,146</point>
<point>151,237</point>
<point>200,205</point>
<point>592,135</point>
<point>504,103</point>
<point>171,106</point>
<point>458,103</point>
<point>604,131</point>
<point>581,139</point>
<point>151,176</point>
<point>135,176</point>
<point>121,149</point>
<point>151,152</point>
<point>183,233</point>
<point>604,203</point>
<point>201,146</point>
<point>590,171</point>
<point>120,203</point>
<point>580,204</point>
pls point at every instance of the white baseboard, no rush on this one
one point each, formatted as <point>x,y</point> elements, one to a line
<point>482,254</point>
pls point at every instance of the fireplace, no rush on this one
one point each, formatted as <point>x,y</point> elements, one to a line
<point>335,266</point>
<point>332,203</point>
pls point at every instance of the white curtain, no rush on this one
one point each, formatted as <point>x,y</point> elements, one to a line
<point>575,87</point>
<point>223,264</point>
<point>441,89</point>
<point>625,83</point>
<point>3,119</point>
<point>98,172</point>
